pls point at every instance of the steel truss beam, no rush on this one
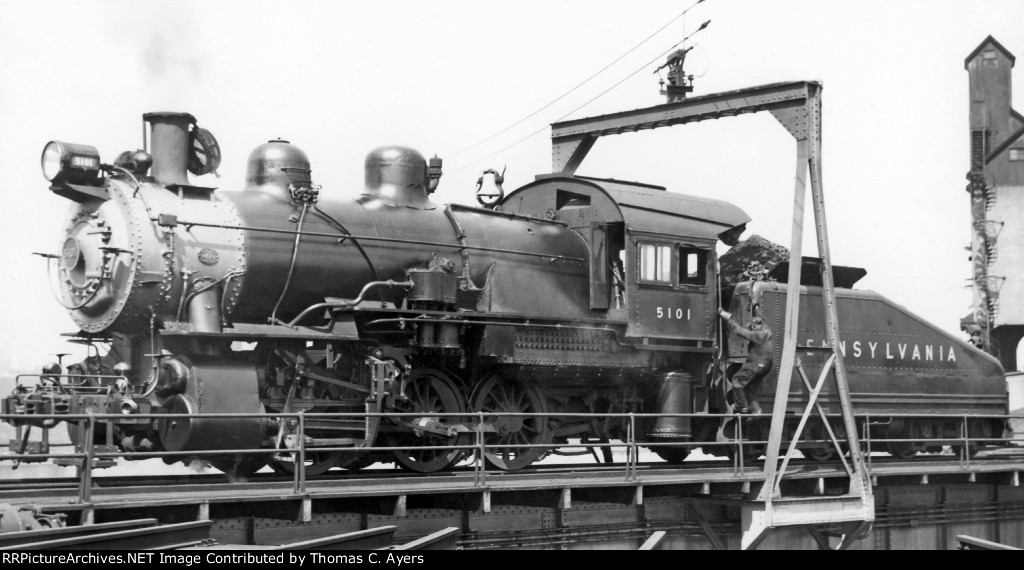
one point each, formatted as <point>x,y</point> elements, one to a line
<point>572,140</point>
<point>797,106</point>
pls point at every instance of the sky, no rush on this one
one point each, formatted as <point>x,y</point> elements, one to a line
<point>339,79</point>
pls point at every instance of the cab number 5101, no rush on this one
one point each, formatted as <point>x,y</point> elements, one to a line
<point>670,313</point>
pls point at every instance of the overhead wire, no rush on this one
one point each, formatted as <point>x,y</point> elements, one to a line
<point>581,84</point>
<point>589,101</point>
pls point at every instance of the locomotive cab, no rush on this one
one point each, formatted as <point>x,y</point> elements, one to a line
<point>652,252</point>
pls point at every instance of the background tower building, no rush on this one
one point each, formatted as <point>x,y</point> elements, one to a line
<point>996,187</point>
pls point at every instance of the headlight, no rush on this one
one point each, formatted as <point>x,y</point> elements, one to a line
<point>73,163</point>
<point>52,158</point>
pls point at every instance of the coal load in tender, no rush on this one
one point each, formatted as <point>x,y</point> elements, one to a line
<point>751,259</point>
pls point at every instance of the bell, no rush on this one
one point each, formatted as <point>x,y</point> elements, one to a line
<point>675,397</point>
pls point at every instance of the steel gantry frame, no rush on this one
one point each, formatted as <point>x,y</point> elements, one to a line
<point>797,106</point>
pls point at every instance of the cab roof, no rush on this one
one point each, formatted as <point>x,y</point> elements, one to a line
<point>642,207</point>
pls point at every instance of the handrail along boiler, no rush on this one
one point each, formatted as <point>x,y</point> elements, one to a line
<point>571,295</point>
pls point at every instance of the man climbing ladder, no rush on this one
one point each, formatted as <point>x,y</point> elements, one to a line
<point>746,382</point>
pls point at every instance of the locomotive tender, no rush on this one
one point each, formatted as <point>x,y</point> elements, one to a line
<point>570,295</point>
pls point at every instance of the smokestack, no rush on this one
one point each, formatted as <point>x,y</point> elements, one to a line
<point>169,146</point>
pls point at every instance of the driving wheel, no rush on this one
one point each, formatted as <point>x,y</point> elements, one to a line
<point>432,391</point>
<point>505,446</point>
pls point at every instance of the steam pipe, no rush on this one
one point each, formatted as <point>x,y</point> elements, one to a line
<point>291,266</point>
<point>350,302</point>
<point>467,278</point>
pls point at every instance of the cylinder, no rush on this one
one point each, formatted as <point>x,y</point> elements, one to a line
<point>216,385</point>
<point>675,397</point>
<point>169,146</point>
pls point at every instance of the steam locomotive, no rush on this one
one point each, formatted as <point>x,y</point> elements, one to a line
<point>571,295</point>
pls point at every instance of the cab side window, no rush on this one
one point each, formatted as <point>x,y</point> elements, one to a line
<point>693,265</point>
<point>680,266</point>
<point>655,264</point>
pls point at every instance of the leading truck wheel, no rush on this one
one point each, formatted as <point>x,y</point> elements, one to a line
<point>431,391</point>
<point>496,394</point>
